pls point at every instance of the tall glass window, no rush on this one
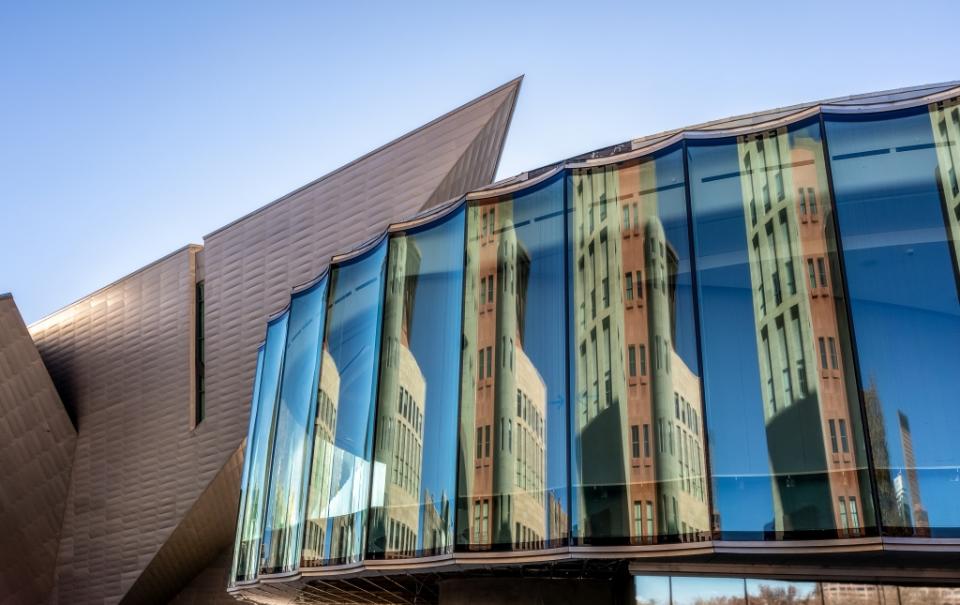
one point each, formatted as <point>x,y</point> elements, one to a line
<point>770,400</point>
<point>293,431</point>
<point>245,473</point>
<point>414,473</point>
<point>612,482</point>
<point>259,448</point>
<point>893,177</point>
<point>512,486</point>
<point>339,489</point>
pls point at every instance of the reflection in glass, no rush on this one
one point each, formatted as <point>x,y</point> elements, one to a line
<point>850,594</point>
<point>894,180</point>
<point>293,430</point>
<point>707,591</point>
<point>414,476</point>
<point>342,446</point>
<point>252,436</point>
<point>924,595</point>
<point>787,450</point>
<point>651,590</point>
<point>259,448</point>
<point>777,592</point>
<point>513,471</point>
<point>638,441</point>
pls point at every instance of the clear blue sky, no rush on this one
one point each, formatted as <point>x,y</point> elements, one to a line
<point>127,131</point>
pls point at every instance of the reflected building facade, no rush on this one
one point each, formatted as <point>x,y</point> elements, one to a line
<point>508,415</point>
<point>400,413</point>
<point>637,408</point>
<point>810,403</point>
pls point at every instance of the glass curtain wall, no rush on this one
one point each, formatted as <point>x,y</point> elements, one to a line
<point>293,430</point>
<point>894,177</point>
<point>787,450</point>
<point>339,489</point>
<point>637,443</point>
<point>513,416</point>
<point>259,448</point>
<point>692,590</point>
<point>414,473</point>
<point>245,473</point>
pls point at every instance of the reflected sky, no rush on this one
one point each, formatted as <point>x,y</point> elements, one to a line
<point>738,448</point>
<point>353,340</point>
<point>436,312</point>
<point>538,218</point>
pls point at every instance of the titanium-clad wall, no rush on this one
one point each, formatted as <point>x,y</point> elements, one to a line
<point>36,457</point>
<point>724,299</point>
<point>122,359</point>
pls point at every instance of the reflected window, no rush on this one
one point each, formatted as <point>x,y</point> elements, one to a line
<point>775,474</point>
<point>895,202</point>
<point>522,484</point>
<point>340,472</point>
<point>413,516</point>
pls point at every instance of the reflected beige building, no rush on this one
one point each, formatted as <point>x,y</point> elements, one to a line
<point>638,412</point>
<point>503,411</point>
<point>321,470</point>
<point>945,120</point>
<point>400,412</point>
<point>809,396</point>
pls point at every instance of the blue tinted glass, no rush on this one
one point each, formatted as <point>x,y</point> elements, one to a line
<point>245,474</point>
<point>414,475</point>
<point>513,416</point>
<point>787,451</point>
<point>637,448</point>
<point>294,429</point>
<point>895,184</point>
<point>343,444</point>
<point>259,448</point>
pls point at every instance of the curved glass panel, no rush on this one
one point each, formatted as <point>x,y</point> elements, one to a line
<point>245,473</point>
<point>298,388</point>
<point>894,177</point>
<point>342,447</point>
<point>414,473</point>
<point>259,449</point>
<point>512,489</point>
<point>787,453</point>
<point>637,450</point>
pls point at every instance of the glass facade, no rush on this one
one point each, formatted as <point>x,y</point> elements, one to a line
<point>414,473</point>
<point>343,433</point>
<point>787,450</point>
<point>895,183</point>
<point>513,456</point>
<point>637,449</point>
<point>293,430</point>
<point>693,590</point>
<point>259,448</point>
<point>739,336</point>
